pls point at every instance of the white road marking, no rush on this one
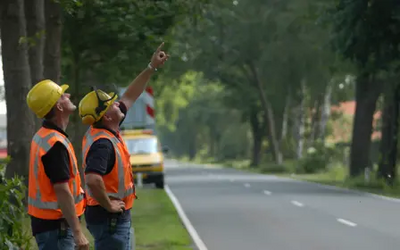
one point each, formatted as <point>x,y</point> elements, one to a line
<point>193,233</point>
<point>296,203</point>
<point>247,185</point>
<point>346,222</point>
<point>382,197</point>
<point>267,192</point>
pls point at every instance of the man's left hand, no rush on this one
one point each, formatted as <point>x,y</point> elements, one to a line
<point>159,57</point>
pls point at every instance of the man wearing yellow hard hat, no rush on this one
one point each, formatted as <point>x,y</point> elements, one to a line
<point>56,199</point>
<point>108,173</point>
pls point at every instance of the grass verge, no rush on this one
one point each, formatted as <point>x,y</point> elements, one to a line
<point>156,223</point>
<point>336,175</point>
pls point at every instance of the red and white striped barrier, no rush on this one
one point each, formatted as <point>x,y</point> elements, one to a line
<point>148,97</point>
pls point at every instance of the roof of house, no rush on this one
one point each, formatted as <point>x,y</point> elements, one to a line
<point>349,108</point>
<point>342,130</point>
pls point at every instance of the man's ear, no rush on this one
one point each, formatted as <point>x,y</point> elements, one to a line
<point>59,106</point>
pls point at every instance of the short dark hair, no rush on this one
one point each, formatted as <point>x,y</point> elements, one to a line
<point>98,124</point>
<point>50,115</point>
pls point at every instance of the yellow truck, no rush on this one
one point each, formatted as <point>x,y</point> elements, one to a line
<point>147,155</point>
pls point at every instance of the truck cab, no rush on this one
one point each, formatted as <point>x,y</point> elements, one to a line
<point>146,155</point>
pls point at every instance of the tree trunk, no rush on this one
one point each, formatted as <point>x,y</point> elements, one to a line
<point>299,124</point>
<point>211,142</point>
<point>315,121</point>
<point>388,147</point>
<point>17,84</point>
<point>217,145</point>
<point>257,131</point>
<point>367,93</point>
<point>34,15</point>
<point>325,112</point>
<point>285,118</point>
<point>52,49</point>
<point>192,150</point>
<point>268,116</point>
<point>76,129</point>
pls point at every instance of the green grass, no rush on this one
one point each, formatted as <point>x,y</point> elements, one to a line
<point>156,223</point>
<point>336,175</point>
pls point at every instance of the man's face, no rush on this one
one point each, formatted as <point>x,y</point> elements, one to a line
<point>65,105</point>
<point>114,113</point>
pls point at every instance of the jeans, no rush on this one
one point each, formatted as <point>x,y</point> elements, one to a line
<point>121,239</point>
<point>54,240</point>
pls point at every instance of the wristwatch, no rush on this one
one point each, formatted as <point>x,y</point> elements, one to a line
<point>151,67</point>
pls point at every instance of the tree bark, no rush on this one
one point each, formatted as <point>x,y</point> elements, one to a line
<point>388,146</point>
<point>76,129</point>
<point>367,93</point>
<point>285,118</point>
<point>299,126</point>
<point>34,15</point>
<point>325,112</point>
<point>212,140</point>
<point>268,116</point>
<point>315,121</point>
<point>17,84</point>
<point>192,150</point>
<point>52,49</point>
<point>257,131</point>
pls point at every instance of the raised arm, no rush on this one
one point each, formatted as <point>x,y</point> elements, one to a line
<point>137,86</point>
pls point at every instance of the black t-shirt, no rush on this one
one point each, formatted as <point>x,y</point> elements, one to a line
<point>56,167</point>
<point>100,160</point>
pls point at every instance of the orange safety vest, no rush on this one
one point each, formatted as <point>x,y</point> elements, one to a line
<point>119,182</point>
<point>42,199</point>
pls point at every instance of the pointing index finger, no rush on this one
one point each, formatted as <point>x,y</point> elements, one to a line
<point>160,47</point>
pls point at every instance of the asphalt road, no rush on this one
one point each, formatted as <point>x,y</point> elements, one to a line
<point>232,210</point>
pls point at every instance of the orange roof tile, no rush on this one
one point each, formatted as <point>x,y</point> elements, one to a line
<point>342,131</point>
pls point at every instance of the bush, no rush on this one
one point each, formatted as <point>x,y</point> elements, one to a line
<point>317,158</point>
<point>312,163</point>
<point>274,168</point>
<point>12,213</point>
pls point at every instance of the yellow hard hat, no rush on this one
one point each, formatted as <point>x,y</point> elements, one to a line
<point>43,96</point>
<point>94,105</point>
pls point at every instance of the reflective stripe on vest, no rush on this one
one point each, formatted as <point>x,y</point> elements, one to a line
<point>122,193</point>
<point>43,143</point>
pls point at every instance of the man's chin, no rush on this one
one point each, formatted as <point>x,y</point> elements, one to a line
<point>121,117</point>
<point>70,110</point>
